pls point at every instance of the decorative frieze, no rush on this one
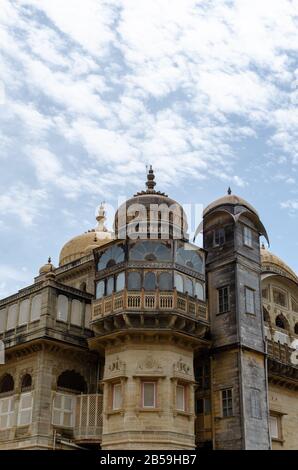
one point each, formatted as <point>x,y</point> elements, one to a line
<point>115,368</point>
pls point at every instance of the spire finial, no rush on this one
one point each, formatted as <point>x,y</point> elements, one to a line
<point>150,183</point>
<point>229,191</point>
<point>101,218</point>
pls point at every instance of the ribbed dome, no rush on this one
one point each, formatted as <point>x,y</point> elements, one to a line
<point>83,244</point>
<point>271,262</point>
<point>155,212</point>
<point>229,200</point>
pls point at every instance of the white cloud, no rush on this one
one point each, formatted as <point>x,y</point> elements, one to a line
<point>23,202</point>
<point>13,278</point>
<point>292,205</point>
<point>89,23</point>
<point>177,84</point>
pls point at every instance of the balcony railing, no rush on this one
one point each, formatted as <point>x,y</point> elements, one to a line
<point>281,352</point>
<point>134,301</point>
<point>88,418</point>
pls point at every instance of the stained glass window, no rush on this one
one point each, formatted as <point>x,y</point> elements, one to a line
<point>150,251</point>
<point>189,258</point>
<point>110,257</point>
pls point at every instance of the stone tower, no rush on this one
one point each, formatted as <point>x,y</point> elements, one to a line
<point>231,233</point>
<point>149,317</point>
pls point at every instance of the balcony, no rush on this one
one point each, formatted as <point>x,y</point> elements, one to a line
<point>88,427</point>
<point>149,301</point>
<point>282,365</point>
<point>280,352</point>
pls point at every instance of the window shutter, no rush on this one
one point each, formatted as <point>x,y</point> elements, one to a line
<point>6,412</point>
<point>25,409</point>
<point>117,396</point>
<point>149,394</point>
<point>180,397</point>
<point>273,420</point>
<point>63,410</point>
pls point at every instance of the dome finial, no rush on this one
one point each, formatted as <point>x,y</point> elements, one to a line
<point>229,191</point>
<point>101,218</point>
<point>150,183</point>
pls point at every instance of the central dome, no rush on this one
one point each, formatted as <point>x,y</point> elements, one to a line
<point>83,244</point>
<point>272,263</point>
<point>150,214</point>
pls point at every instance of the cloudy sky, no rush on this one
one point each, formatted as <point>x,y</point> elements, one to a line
<point>93,90</point>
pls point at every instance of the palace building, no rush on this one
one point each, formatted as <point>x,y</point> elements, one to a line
<point>140,339</point>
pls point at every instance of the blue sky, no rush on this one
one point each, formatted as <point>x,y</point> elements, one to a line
<point>91,91</point>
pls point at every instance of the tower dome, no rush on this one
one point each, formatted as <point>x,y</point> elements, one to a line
<point>83,244</point>
<point>150,213</point>
<point>229,200</point>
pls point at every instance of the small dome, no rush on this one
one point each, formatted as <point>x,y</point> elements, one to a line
<point>47,268</point>
<point>83,244</point>
<point>161,214</point>
<point>229,200</point>
<point>273,263</point>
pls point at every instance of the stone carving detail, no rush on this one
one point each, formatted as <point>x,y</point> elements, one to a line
<point>116,366</point>
<point>181,367</point>
<point>149,364</point>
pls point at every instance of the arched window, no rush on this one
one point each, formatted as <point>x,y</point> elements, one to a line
<point>134,281</point>
<point>281,322</point>
<point>266,315</point>
<point>6,383</point>
<point>24,312</point>
<point>188,286</point>
<point>110,257</point>
<point>76,312</point>
<point>12,317</point>
<point>120,282</point>
<point>199,291</point>
<point>150,251</point>
<point>296,328</point>
<point>72,381</point>
<point>165,281</point>
<point>100,289</point>
<point>36,307</point>
<point>2,320</point>
<point>26,383</point>
<point>150,281</point>
<point>178,280</point>
<point>189,258</point>
<point>62,308</point>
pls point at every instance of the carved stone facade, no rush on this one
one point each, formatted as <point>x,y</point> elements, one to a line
<point>155,344</point>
